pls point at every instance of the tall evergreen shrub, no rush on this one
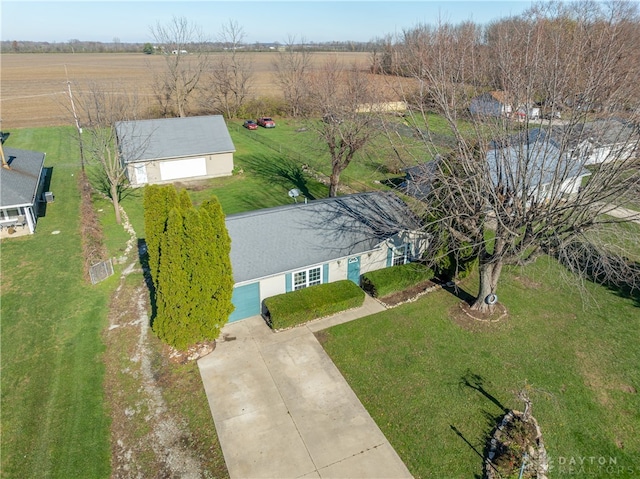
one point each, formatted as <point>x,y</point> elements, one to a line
<point>194,281</point>
<point>158,201</point>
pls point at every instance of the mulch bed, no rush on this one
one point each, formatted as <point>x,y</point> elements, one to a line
<point>477,321</point>
<point>409,294</point>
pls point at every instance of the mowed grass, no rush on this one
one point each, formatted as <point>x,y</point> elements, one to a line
<point>262,179</point>
<point>371,165</point>
<point>54,423</point>
<point>436,388</point>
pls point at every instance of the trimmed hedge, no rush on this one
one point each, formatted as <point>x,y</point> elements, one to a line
<point>298,307</point>
<point>383,282</point>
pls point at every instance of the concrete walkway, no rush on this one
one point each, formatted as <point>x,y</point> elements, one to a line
<point>283,410</point>
<point>623,213</point>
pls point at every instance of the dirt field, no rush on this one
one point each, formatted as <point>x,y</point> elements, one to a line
<point>34,92</point>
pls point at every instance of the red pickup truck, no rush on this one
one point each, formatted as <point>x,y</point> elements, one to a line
<point>266,122</point>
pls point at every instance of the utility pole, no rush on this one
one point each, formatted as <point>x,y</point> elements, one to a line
<point>5,164</point>
<point>75,117</point>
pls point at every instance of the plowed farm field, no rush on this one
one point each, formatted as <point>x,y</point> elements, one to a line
<point>34,88</point>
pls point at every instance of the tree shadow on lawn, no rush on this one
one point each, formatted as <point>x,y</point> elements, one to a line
<point>458,292</point>
<point>100,182</point>
<point>143,257</point>
<point>280,170</point>
<point>477,383</point>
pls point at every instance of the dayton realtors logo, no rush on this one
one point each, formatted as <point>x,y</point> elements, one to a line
<point>594,466</point>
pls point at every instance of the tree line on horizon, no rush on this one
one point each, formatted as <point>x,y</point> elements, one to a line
<point>88,46</point>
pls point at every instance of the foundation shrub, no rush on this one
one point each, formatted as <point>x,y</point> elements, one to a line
<point>395,278</point>
<point>298,307</point>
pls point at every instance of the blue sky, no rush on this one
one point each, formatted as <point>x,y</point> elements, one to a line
<point>265,21</point>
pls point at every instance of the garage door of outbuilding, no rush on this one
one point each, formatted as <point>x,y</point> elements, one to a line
<point>246,299</point>
<point>188,168</point>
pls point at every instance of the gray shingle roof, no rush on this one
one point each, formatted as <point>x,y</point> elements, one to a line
<point>144,140</point>
<point>275,240</point>
<point>19,185</point>
<point>534,155</point>
<point>602,132</point>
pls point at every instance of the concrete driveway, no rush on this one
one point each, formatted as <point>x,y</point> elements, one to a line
<point>283,410</point>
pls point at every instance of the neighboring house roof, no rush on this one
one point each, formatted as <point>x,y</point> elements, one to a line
<point>418,178</point>
<point>19,185</point>
<point>604,132</point>
<point>275,240</point>
<point>539,153</point>
<point>145,140</point>
<point>491,103</point>
<point>499,96</point>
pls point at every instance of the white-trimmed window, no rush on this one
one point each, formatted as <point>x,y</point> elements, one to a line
<point>400,255</point>
<point>306,278</point>
<point>10,213</point>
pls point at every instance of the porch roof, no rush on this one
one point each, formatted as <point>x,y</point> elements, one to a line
<point>19,183</point>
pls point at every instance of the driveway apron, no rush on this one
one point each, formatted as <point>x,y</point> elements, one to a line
<point>283,410</point>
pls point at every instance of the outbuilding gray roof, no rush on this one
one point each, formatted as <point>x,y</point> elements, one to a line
<point>19,185</point>
<point>276,240</point>
<point>144,140</point>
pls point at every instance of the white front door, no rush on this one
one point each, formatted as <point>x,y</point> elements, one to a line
<point>141,174</point>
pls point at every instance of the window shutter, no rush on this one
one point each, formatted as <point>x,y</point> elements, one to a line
<point>287,282</point>
<point>325,273</point>
<point>389,257</point>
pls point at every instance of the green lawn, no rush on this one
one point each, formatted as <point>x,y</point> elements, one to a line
<point>53,419</point>
<point>436,388</point>
<point>407,364</point>
<point>370,166</point>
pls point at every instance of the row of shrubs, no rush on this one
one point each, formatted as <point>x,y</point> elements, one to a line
<point>397,278</point>
<point>291,309</point>
<point>298,307</point>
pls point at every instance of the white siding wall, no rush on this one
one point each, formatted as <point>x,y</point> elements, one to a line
<point>215,166</point>
<point>375,260</point>
<point>337,271</point>
<point>272,286</point>
<point>571,186</point>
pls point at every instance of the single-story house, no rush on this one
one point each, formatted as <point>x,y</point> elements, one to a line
<point>493,103</point>
<point>286,248</point>
<point>21,189</point>
<point>602,141</point>
<point>533,165</point>
<point>169,149</point>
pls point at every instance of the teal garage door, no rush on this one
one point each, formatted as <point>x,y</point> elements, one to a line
<point>246,299</point>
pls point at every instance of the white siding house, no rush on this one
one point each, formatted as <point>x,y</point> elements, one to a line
<point>532,165</point>
<point>277,250</point>
<point>21,191</point>
<point>605,141</point>
<point>171,149</point>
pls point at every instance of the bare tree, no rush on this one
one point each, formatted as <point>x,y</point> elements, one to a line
<point>229,79</point>
<point>514,186</point>
<point>182,44</point>
<point>292,69</point>
<point>100,109</point>
<point>345,99</point>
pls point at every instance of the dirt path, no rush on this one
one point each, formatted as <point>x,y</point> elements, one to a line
<point>141,420</point>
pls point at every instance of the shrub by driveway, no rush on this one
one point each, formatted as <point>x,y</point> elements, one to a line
<point>298,307</point>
